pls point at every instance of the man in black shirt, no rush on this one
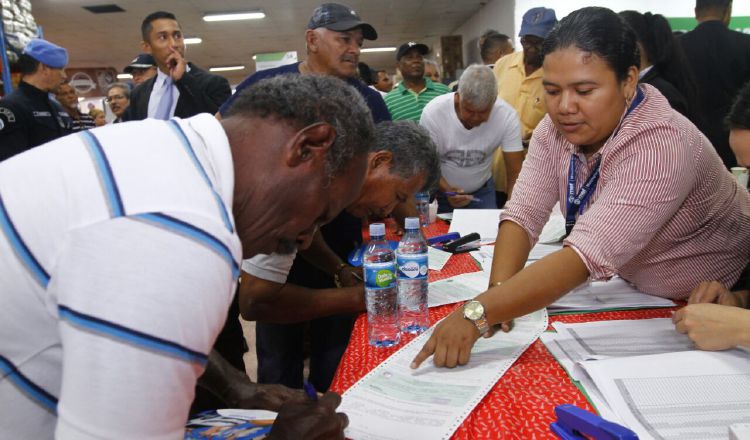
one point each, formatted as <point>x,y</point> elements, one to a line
<point>28,117</point>
<point>720,59</point>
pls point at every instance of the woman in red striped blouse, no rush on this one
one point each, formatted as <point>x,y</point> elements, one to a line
<point>644,193</point>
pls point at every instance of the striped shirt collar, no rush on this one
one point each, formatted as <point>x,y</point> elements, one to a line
<point>428,85</point>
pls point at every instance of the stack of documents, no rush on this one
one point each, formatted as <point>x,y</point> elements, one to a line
<point>595,296</point>
<point>646,376</point>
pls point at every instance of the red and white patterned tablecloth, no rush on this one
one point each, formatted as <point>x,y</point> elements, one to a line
<point>521,404</point>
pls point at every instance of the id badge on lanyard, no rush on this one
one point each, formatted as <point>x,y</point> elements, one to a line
<point>575,203</point>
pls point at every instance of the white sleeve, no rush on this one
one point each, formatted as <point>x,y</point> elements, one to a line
<point>139,309</point>
<point>273,267</point>
<point>511,142</point>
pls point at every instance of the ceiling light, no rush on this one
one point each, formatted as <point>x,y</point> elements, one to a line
<point>378,49</point>
<point>225,68</point>
<point>254,57</point>
<point>124,76</point>
<point>193,40</point>
<point>248,15</point>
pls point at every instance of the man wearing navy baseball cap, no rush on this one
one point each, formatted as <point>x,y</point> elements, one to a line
<point>28,117</point>
<point>142,67</point>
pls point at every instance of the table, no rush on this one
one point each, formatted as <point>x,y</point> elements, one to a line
<point>521,404</point>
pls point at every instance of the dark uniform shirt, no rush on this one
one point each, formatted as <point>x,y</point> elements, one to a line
<point>28,118</point>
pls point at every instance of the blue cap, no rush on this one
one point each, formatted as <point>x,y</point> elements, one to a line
<point>538,22</point>
<point>47,53</point>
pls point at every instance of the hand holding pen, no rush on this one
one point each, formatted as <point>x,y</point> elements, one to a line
<point>457,199</point>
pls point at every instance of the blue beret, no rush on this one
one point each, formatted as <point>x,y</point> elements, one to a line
<point>47,53</point>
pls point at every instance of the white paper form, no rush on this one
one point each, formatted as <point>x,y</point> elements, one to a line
<point>482,221</point>
<point>459,288</point>
<point>592,392</point>
<point>602,295</point>
<point>436,258</point>
<point>614,339</point>
<point>685,395</point>
<point>395,402</point>
<point>597,295</point>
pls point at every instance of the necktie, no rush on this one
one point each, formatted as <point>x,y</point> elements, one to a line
<point>164,108</point>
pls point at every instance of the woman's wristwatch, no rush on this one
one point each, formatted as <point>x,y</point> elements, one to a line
<point>474,312</point>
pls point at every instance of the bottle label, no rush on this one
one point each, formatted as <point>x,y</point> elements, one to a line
<point>412,266</point>
<point>380,275</point>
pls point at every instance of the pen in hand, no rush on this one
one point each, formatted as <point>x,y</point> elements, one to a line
<point>310,391</point>
<point>453,193</point>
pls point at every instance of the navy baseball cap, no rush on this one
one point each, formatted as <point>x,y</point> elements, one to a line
<point>538,22</point>
<point>406,47</point>
<point>337,17</point>
<point>142,61</point>
<point>47,53</point>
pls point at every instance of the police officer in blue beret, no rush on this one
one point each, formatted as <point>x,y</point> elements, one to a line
<point>28,117</point>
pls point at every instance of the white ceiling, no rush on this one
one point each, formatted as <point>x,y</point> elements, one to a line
<point>102,40</point>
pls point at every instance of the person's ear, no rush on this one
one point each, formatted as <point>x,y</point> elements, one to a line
<point>146,47</point>
<point>311,40</point>
<point>311,144</point>
<point>382,158</point>
<point>630,83</point>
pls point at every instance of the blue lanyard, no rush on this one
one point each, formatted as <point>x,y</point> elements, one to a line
<point>575,203</point>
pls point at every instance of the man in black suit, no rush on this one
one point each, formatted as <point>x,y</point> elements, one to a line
<point>720,59</point>
<point>179,88</point>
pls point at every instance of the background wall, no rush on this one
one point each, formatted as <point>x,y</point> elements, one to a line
<point>497,15</point>
<point>505,16</point>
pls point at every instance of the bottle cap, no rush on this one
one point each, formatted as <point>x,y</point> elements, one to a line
<point>377,229</point>
<point>411,223</point>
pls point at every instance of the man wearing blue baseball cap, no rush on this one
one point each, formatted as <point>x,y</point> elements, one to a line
<point>519,83</point>
<point>28,117</point>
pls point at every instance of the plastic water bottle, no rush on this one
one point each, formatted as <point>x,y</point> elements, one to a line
<point>423,207</point>
<point>411,257</point>
<point>381,291</point>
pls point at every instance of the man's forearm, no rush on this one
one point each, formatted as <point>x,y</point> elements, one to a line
<point>226,382</point>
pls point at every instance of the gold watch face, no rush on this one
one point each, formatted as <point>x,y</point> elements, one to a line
<point>473,310</point>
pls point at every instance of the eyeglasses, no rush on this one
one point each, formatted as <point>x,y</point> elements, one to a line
<point>114,97</point>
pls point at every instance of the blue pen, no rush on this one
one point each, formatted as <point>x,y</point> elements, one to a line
<point>310,391</point>
<point>453,193</point>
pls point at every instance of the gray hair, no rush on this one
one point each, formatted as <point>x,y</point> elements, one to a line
<point>434,64</point>
<point>308,99</point>
<point>120,85</point>
<point>412,149</point>
<point>478,86</point>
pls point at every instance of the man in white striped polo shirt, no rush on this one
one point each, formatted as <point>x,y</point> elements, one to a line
<point>119,254</point>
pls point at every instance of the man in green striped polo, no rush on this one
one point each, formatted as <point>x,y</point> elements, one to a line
<point>407,100</point>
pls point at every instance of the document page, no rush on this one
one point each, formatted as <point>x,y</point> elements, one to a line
<point>602,295</point>
<point>395,402</point>
<point>459,288</point>
<point>685,395</point>
<point>574,343</point>
<point>482,221</point>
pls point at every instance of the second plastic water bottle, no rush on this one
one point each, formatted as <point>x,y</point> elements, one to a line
<point>423,207</point>
<point>381,292</point>
<point>411,257</point>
